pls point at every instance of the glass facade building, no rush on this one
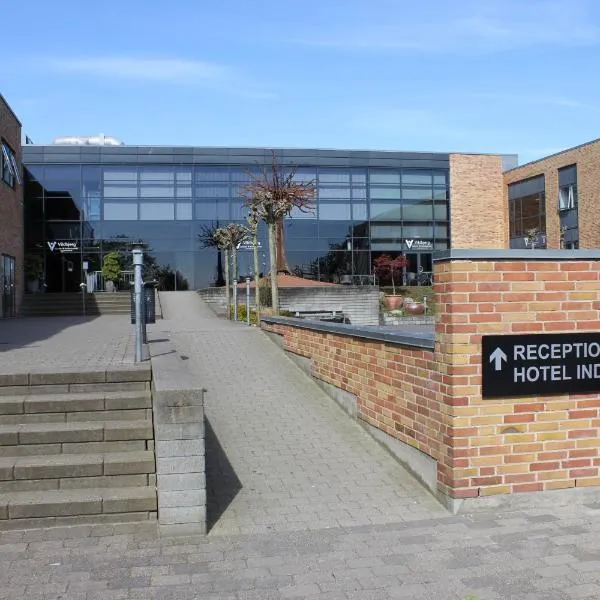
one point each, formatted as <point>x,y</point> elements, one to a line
<point>82,202</point>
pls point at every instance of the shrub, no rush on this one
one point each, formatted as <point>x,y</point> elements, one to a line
<point>265,294</point>
<point>242,314</point>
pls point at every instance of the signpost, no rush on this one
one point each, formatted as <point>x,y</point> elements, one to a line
<point>540,365</point>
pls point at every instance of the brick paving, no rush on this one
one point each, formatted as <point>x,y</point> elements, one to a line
<point>303,504</point>
<point>59,342</point>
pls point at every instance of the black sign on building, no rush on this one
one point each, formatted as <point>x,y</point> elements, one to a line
<point>540,365</point>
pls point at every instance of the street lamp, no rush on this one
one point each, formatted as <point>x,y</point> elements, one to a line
<point>138,261</point>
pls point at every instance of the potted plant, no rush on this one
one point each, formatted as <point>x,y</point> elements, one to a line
<point>413,308</point>
<point>111,270</point>
<point>386,267</point>
<point>34,270</point>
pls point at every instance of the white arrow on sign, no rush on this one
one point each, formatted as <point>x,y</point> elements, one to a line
<point>497,356</point>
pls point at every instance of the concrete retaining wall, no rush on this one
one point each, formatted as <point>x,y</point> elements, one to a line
<point>359,303</point>
<point>178,408</point>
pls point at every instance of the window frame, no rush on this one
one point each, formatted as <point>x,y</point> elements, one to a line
<point>9,172</point>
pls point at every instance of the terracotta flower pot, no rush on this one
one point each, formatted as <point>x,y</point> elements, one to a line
<point>414,308</point>
<point>393,302</point>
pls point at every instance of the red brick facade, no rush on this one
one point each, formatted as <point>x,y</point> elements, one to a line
<point>478,208</point>
<point>587,159</point>
<point>11,202</point>
<point>432,400</point>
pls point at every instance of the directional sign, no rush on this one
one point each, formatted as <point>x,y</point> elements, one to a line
<point>540,365</point>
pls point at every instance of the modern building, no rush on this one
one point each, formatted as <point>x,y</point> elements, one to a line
<point>84,199</point>
<point>11,213</point>
<point>553,202</point>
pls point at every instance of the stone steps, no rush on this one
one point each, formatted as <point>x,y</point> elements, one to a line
<point>76,446</point>
<point>37,305</point>
<point>78,431</point>
<point>68,471</point>
<point>65,503</point>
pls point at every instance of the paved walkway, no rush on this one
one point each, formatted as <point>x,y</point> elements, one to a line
<point>48,342</point>
<point>282,455</point>
<point>304,505</point>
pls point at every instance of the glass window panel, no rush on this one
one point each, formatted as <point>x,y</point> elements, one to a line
<point>359,177</point>
<point>212,174</point>
<point>184,177</point>
<point>390,177</point>
<point>386,231</point>
<point>440,193</point>
<point>439,179</point>
<point>212,209</point>
<point>184,192</point>
<point>239,211</point>
<point>417,231</point>
<point>157,191</point>
<point>154,174</point>
<point>359,212</point>
<point>417,211</point>
<point>384,193</point>
<point>216,191</point>
<point>440,212</point>
<point>122,174</point>
<point>242,175</point>
<point>183,211</point>
<point>334,176</point>
<point>441,231</point>
<point>120,191</point>
<point>417,193</point>
<point>334,212</point>
<point>342,193</point>
<point>385,212</point>
<point>120,211</point>
<point>416,178</point>
<point>441,245</point>
<point>298,214</point>
<point>359,193</point>
<point>305,175</point>
<point>157,211</point>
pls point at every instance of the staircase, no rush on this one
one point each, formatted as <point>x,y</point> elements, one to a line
<point>103,303</point>
<point>76,447</point>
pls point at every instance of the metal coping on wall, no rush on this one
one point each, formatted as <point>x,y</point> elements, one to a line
<point>425,341</point>
<point>475,254</point>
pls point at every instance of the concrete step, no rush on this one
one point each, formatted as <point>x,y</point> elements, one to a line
<point>76,448</point>
<point>74,403</point>
<point>84,431</point>
<point>83,502</point>
<point>69,471</point>
<point>76,465</point>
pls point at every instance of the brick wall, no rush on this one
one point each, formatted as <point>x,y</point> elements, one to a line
<point>587,158</point>
<point>11,201</point>
<point>514,444</point>
<point>431,400</point>
<point>397,387</point>
<point>477,197</point>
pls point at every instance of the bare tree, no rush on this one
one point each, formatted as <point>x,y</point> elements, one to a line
<point>253,221</point>
<point>273,195</point>
<point>207,239</point>
<point>235,234</point>
<point>221,241</point>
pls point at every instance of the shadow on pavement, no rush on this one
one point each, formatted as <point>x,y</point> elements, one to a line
<point>222,483</point>
<point>25,331</point>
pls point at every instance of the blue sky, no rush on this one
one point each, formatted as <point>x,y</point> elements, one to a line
<point>441,75</point>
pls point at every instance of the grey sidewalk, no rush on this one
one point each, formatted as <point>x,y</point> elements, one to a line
<point>80,342</point>
<point>305,505</point>
<point>280,454</point>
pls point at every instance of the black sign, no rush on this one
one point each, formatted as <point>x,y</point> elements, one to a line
<point>63,246</point>
<point>540,365</point>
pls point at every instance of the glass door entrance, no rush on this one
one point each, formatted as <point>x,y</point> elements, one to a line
<point>8,286</point>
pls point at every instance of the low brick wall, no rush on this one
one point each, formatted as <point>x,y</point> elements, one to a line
<point>359,303</point>
<point>393,377</point>
<point>430,398</point>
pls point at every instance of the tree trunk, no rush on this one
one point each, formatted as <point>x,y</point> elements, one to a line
<point>234,278</point>
<point>228,292</point>
<point>256,276</point>
<point>282,264</point>
<point>219,282</point>
<point>273,260</point>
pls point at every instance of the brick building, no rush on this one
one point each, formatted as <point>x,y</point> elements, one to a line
<point>557,196</point>
<point>11,213</point>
